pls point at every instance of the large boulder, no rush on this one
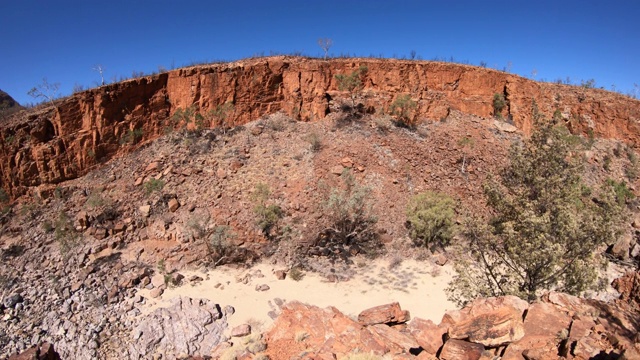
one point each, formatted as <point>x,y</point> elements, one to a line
<point>384,314</point>
<point>188,326</point>
<point>491,322</point>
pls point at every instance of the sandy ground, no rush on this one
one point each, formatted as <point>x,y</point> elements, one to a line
<point>411,283</point>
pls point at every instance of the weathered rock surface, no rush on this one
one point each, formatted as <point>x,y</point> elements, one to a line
<point>189,326</point>
<point>42,352</point>
<point>557,326</point>
<point>384,314</point>
<point>491,322</point>
<point>56,144</point>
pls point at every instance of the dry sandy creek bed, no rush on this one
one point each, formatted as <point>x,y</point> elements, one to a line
<point>417,286</point>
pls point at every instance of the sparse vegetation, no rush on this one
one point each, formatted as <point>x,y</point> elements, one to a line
<point>267,215</point>
<point>315,142</point>
<point>221,115</point>
<point>45,91</point>
<point>544,226</point>
<point>402,108</point>
<point>431,218</point>
<point>131,136</point>
<point>65,234</point>
<point>621,191</point>
<point>632,170</point>
<point>218,245</point>
<point>349,220</point>
<point>152,186</point>
<point>352,83</point>
<point>189,118</point>
<point>295,274</point>
<point>325,44</point>
<point>499,103</point>
<point>466,143</point>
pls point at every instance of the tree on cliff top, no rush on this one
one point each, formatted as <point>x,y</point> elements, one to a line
<point>544,226</point>
<point>46,91</point>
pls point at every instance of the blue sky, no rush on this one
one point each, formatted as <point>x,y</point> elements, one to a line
<point>63,40</point>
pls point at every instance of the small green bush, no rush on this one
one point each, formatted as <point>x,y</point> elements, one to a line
<point>218,245</point>
<point>401,108</point>
<point>431,218</point>
<point>499,104</point>
<point>621,191</point>
<point>267,215</point>
<point>65,234</point>
<point>153,185</point>
<point>132,136</point>
<point>295,274</point>
<point>352,83</point>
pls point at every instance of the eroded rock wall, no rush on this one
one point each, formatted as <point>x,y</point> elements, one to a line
<point>50,145</point>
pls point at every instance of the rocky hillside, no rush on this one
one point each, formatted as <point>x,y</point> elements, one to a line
<point>85,130</point>
<point>104,217</point>
<point>8,105</point>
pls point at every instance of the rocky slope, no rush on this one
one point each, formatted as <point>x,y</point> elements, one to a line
<point>56,144</point>
<point>8,105</point>
<point>76,250</point>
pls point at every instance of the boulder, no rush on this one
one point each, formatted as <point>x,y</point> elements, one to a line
<point>173,204</point>
<point>241,330</point>
<point>491,322</point>
<point>620,249</point>
<point>384,314</point>
<point>455,349</point>
<point>42,352</point>
<point>187,326</point>
<point>328,332</point>
<point>427,334</point>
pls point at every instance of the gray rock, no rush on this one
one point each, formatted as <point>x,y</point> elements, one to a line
<point>188,326</point>
<point>12,300</point>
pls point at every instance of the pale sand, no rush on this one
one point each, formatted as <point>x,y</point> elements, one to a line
<point>411,284</point>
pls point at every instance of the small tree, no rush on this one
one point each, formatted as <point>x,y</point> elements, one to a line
<point>431,218</point>
<point>401,108</point>
<point>325,44</point>
<point>221,115</point>
<point>352,83</point>
<point>465,143</point>
<point>544,228</point>
<point>100,69</point>
<point>45,91</point>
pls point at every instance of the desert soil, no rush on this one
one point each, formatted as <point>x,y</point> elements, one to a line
<point>417,286</point>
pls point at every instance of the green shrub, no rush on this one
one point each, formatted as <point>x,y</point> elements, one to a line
<point>65,234</point>
<point>352,83</point>
<point>542,228</point>
<point>621,191</point>
<point>295,274</point>
<point>348,218</point>
<point>153,185</point>
<point>499,104</point>
<point>401,108</point>
<point>218,245</point>
<point>431,217</point>
<point>132,136</point>
<point>267,215</point>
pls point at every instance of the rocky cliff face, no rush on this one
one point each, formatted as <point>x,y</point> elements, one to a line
<point>50,145</point>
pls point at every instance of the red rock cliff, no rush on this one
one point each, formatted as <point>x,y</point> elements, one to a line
<point>51,145</point>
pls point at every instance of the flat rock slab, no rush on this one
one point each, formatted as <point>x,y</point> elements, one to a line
<point>188,326</point>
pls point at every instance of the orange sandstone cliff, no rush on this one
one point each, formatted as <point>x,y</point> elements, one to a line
<point>48,145</point>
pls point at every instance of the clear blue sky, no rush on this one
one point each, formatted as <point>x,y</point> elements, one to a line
<point>63,40</point>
